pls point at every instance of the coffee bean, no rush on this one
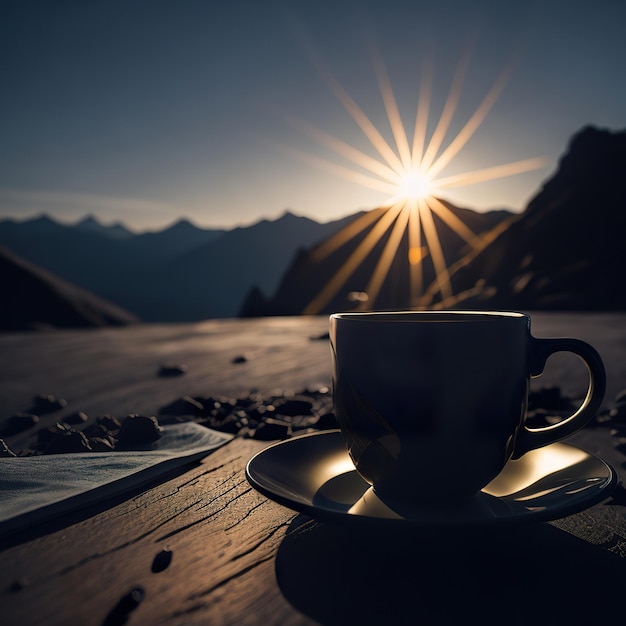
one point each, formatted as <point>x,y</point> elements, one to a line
<point>162,561</point>
<point>127,604</point>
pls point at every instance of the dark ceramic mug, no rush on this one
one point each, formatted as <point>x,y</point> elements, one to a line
<point>432,404</point>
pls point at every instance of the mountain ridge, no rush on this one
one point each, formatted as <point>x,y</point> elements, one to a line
<point>180,273</point>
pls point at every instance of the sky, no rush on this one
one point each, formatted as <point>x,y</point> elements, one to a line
<point>224,111</point>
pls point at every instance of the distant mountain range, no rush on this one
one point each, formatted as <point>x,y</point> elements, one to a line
<point>564,251</point>
<point>181,273</point>
<point>336,274</point>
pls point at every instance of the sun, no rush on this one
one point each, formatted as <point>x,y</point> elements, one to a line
<point>408,171</point>
<point>414,185</point>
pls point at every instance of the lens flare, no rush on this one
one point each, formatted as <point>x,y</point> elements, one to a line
<point>410,174</point>
<point>414,186</point>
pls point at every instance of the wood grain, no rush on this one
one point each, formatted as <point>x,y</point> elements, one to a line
<point>222,534</point>
<point>239,558</point>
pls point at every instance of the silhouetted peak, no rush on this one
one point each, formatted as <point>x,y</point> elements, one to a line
<point>42,220</point>
<point>89,220</point>
<point>291,218</point>
<point>594,160</point>
<point>181,225</point>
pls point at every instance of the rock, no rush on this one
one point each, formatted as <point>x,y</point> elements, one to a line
<point>172,369</point>
<point>240,359</point>
<point>272,428</point>
<point>617,413</point>
<point>297,405</point>
<point>46,403</point>
<point>96,430</point>
<point>139,429</point>
<point>100,444</point>
<point>70,441</point>
<point>109,422</point>
<point>322,337</point>
<point>78,417</point>
<point>327,421</point>
<point>20,422</point>
<point>184,406</point>
<point>46,435</point>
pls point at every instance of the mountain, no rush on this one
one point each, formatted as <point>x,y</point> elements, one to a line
<point>337,273</point>
<point>178,238</point>
<point>211,280</point>
<point>92,224</point>
<point>180,273</point>
<point>566,250</point>
<point>563,252</point>
<point>34,298</point>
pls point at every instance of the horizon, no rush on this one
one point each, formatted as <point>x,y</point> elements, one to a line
<point>244,111</point>
<point>119,222</point>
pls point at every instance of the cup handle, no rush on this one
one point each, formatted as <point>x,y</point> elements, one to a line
<point>540,349</point>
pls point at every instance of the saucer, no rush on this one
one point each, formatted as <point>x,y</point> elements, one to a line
<point>313,474</point>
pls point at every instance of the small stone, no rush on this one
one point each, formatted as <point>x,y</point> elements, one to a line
<point>184,406</point>
<point>172,369</point>
<point>161,561</point>
<point>240,359</point>
<point>46,435</point>
<point>297,405</point>
<point>78,417</point>
<point>20,422</point>
<point>322,337</point>
<point>327,421</point>
<point>46,403</point>
<point>109,422</point>
<point>229,424</point>
<point>100,444</point>
<point>272,428</point>
<point>617,413</point>
<point>96,430</point>
<point>71,441</point>
<point>139,429</point>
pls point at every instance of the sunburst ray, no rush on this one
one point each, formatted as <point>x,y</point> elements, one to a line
<point>381,226</point>
<point>407,213</point>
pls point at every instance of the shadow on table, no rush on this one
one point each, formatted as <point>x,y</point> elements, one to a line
<point>533,575</point>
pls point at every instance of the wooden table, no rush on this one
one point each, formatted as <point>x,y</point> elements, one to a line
<point>239,558</point>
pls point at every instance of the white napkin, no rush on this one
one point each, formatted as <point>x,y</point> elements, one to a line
<point>36,488</point>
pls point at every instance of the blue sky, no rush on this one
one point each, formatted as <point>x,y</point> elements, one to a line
<point>146,111</point>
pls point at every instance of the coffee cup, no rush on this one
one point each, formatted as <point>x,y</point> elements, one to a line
<point>433,404</point>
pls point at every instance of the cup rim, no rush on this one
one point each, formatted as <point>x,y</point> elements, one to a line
<point>428,316</point>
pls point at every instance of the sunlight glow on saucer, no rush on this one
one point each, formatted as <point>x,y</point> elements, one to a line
<point>408,170</point>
